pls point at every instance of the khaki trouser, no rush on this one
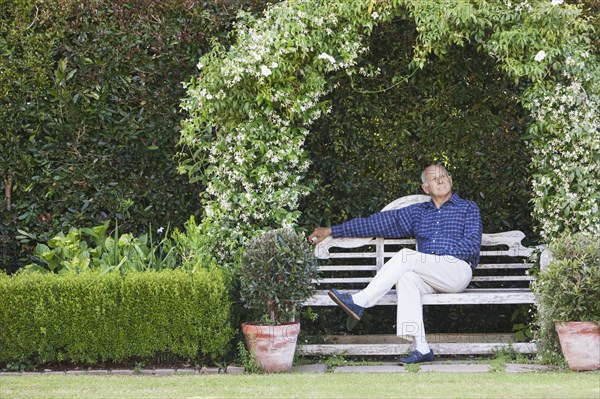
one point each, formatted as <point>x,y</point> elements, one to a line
<point>414,274</point>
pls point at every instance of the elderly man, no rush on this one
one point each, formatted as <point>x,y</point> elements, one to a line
<point>448,234</point>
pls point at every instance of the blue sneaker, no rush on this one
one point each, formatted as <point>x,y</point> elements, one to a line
<point>345,302</point>
<point>417,357</point>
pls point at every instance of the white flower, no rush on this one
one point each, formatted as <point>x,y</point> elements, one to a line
<point>274,65</point>
<point>325,56</point>
<point>264,70</point>
<point>375,15</point>
<point>557,2</point>
<point>160,230</point>
<point>540,55</point>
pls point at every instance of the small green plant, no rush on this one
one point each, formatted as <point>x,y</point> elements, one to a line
<point>412,368</point>
<point>337,360</point>
<point>522,330</point>
<point>497,365</point>
<point>247,359</point>
<point>508,353</point>
<point>220,363</point>
<point>19,366</point>
<point>139,366</point>
<point>190,246</point>
<point>309,314</point>
<point>505,355</point>
<point>276,275</point>
<point>501,357</point>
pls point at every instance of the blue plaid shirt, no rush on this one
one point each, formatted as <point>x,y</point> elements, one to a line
<point>455,229</point>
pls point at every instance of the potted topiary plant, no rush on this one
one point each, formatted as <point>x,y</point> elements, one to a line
<point>567,298</point>
<point>276,275</point>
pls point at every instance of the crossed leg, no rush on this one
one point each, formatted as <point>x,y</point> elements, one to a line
<point>414,274</point>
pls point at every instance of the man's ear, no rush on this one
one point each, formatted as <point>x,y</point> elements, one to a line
<point>425,188</point>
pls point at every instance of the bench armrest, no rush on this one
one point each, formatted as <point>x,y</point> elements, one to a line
<point>322,248</point>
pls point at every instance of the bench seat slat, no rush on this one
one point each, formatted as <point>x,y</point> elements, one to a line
<point>347,268</point>
<point>342,280</point>
<point>482,253</point>
<point>510,252</point>
<point>373,254</point>
<point>400,241</point>
<point>467,297</point>
<point>488,266</point>
<point>503,278</point>
<point>352,255</point>
<point>353,280</point>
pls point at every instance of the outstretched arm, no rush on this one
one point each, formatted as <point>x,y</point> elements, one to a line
<point>390,224</point>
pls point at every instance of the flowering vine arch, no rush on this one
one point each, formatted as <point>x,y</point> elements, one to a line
<point>252,105</point>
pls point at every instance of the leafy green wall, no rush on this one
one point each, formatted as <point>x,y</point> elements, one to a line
<point>89,112</point>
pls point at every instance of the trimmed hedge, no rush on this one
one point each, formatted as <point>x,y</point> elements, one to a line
<point>90,318</point>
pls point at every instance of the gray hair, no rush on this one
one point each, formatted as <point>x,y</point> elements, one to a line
<point>436,165</point>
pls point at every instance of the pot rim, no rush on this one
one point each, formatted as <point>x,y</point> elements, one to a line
<point>259,323</point>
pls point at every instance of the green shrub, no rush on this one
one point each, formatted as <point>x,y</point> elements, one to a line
<point>92,317</point>
<point>190,247</point>
<point>567,290</point>
<point>276,273</point>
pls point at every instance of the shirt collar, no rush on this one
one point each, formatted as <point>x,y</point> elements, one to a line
<point>454,199</point>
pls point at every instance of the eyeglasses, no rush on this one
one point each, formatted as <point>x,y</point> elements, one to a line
<point>439,179</point>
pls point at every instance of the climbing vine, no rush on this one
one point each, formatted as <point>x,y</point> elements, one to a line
<point>251,108</point>
<point>252,105</point>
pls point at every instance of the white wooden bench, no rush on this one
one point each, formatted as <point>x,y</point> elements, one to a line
<point>348,264</point>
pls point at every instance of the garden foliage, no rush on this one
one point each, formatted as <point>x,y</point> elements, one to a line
<point>567,290</point>
<point>97,249</point>
<point>93,317</point>
<point>89,112</point>
<point>72,253</point>
<point>276,275</point>
<point>90,93</point>
<point>254,104</point>
<point>315,112</point>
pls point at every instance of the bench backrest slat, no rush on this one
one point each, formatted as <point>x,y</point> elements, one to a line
<point>495,266</point>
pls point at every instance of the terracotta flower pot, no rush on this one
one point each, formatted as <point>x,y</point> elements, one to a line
<point>580,343</point>
<point>273,347</point>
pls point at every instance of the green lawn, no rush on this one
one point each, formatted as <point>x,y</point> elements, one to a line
<point>330,385</point>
